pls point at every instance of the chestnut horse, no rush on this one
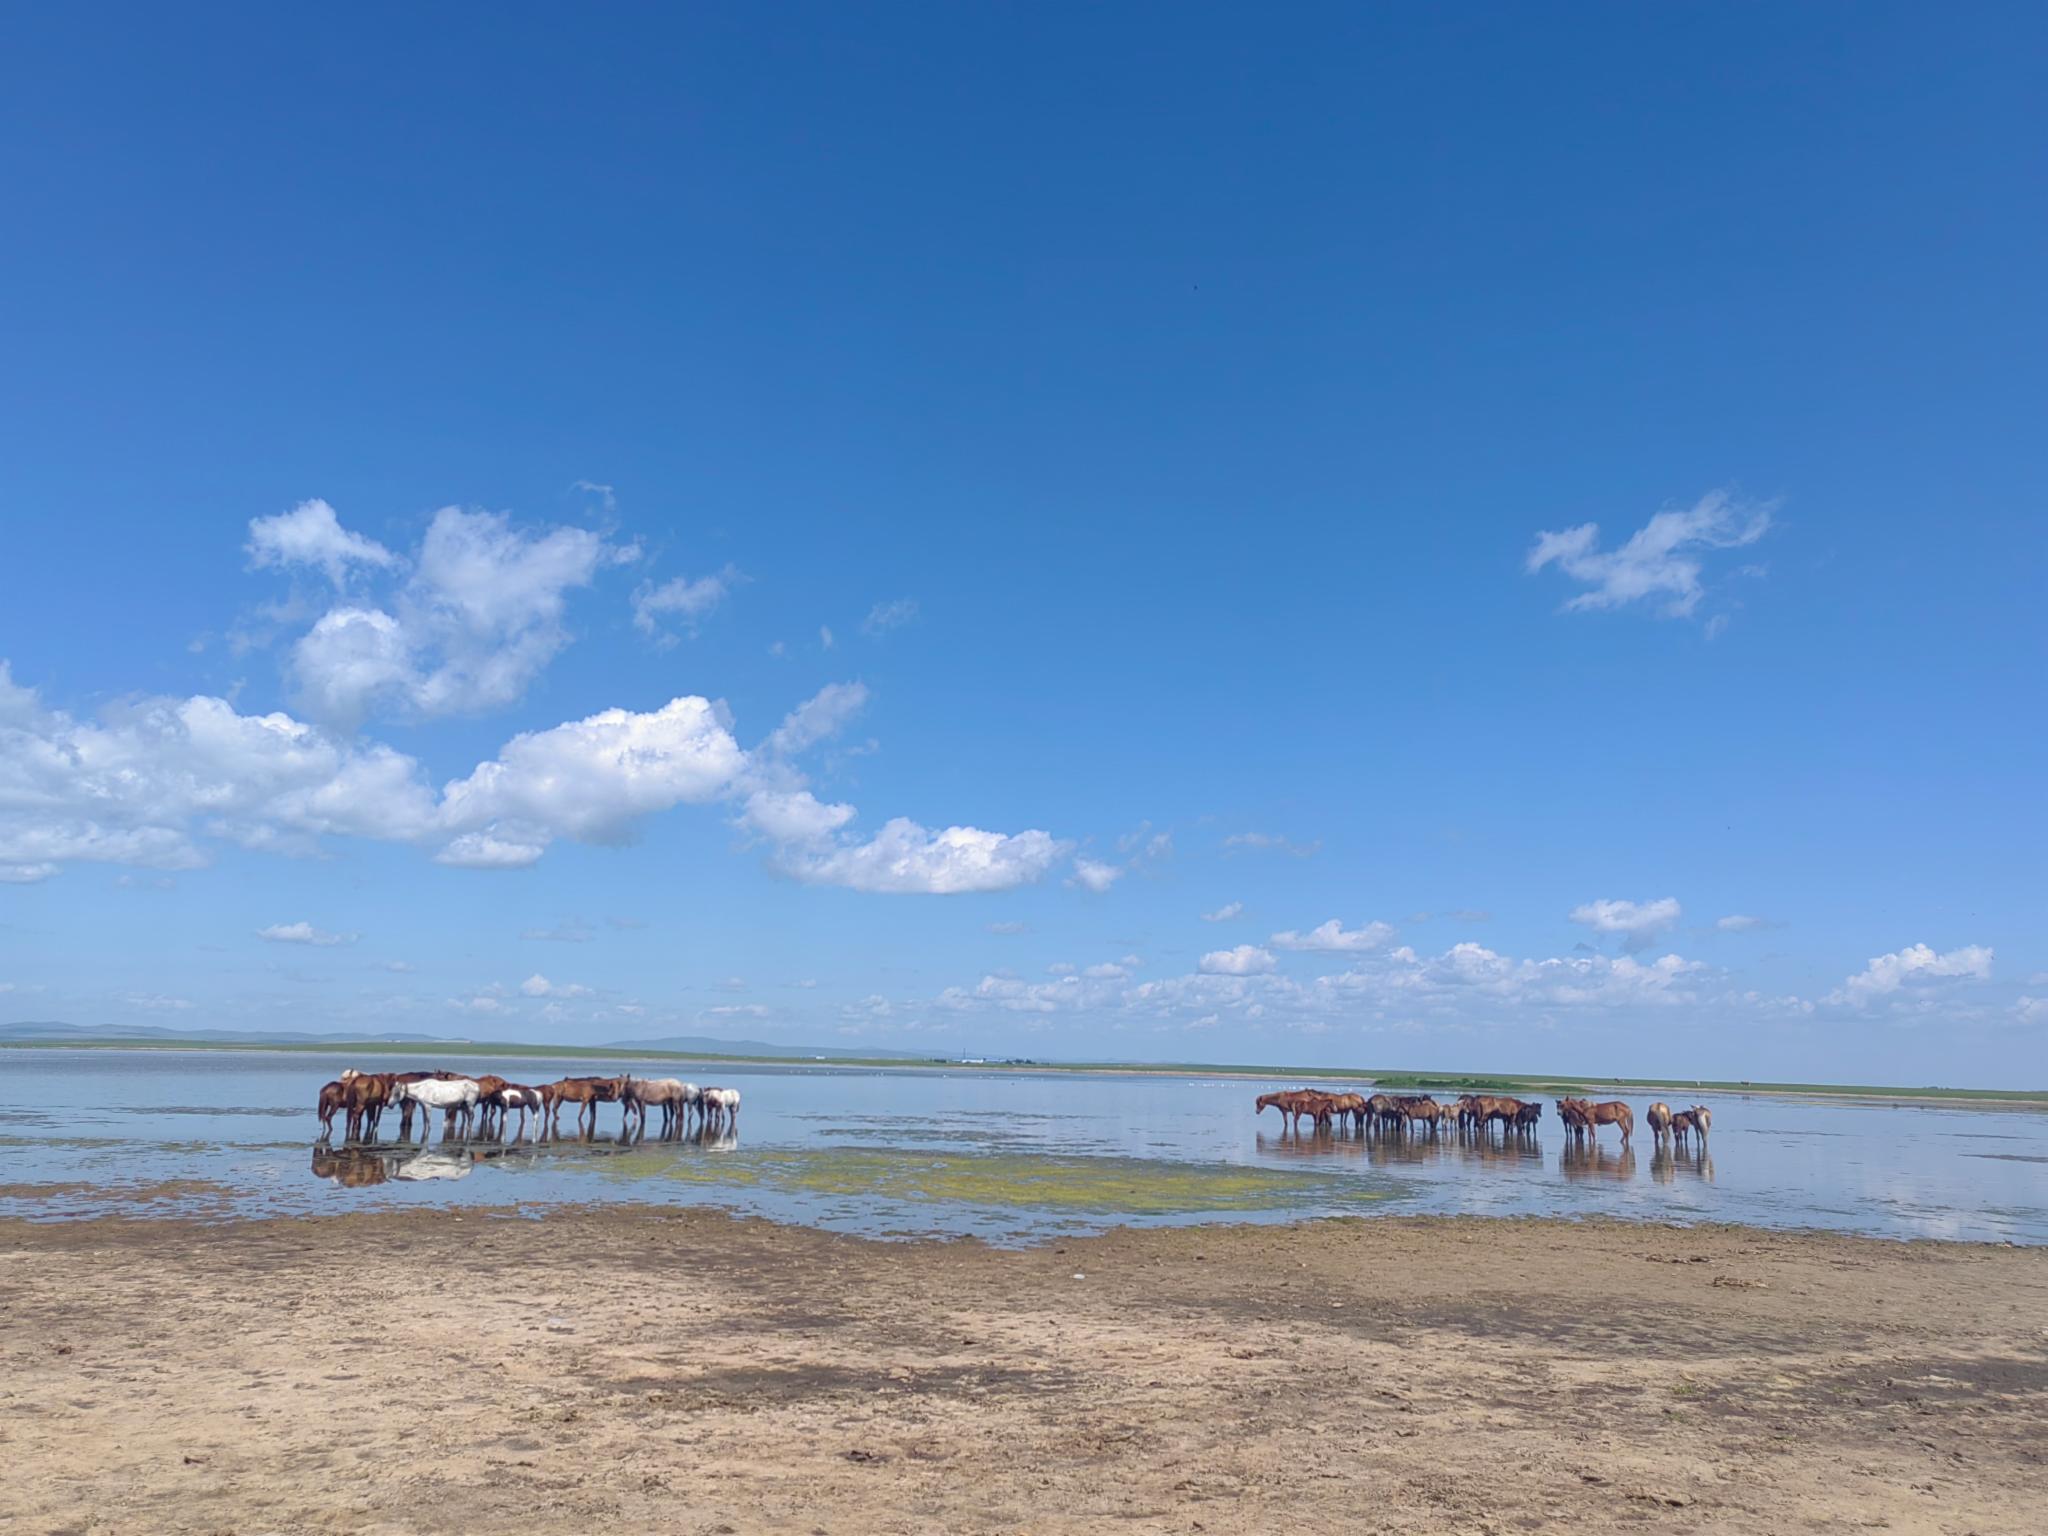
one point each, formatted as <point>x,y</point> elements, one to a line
<point>332,1098</point>
<point>1610,1112</point>
<point>1293,1106</point>
<point>1659,1117</point>
<point>584,1092</point>
<point>1577,1117</point>
<point>1352,1104</point>
<point>1698,1118</point>
<point>364,1095</point>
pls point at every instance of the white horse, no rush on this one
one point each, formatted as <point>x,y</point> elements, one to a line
<point>720,1104</point>
<point>455,1095</point>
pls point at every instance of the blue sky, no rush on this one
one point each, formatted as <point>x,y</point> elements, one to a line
<point>1042,530</point>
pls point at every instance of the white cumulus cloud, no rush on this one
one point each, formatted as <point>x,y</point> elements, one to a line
<point>478,618</point>
<point>593,779</point>
<point>538,985</point>
<point>1334,938</point>
<point>1640,923</point>
<point>1094,875</point>
<point>311,534</point>
<point>1886,975</point>
<point>1244,960</point>
<point>904,857</point>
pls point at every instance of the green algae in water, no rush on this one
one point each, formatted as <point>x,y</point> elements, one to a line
<point>1103,1186</point>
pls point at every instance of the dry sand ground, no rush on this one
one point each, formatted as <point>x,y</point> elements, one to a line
<point>685,1371</point>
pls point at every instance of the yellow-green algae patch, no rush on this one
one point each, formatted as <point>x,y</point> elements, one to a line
<point>1021,1181</point>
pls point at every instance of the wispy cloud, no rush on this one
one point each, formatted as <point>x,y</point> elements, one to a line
<point>1270,841</point>
<point>571,931</point>
<point>304,933</point>
<point>884,617</point>
<point>686,601</point>
<point>1662,561</point>
<point>1224,913</point>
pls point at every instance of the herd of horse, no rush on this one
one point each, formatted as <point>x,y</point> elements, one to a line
<point>481,1106</point>
<point>1399,1114</point>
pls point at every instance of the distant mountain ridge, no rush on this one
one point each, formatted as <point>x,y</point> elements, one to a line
<point>50,1032</point>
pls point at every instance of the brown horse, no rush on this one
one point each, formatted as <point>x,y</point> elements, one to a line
<point>1698,1118</point>
<point>332,1096</point>
<point>1610,1112</point>
<point>1577,1117</point>
<point>1297,1104</point>
<point>1384,1110</point>
<point>1352,1104</point>
<point>1659,1117</point>
<point>1498,1107</point>
<point>584,1092</point>
<point>364,1096</point>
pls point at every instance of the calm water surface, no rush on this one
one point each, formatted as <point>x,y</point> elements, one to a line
<point>1008,1156</point>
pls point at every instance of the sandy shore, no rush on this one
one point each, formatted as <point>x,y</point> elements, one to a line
<point>686,1371</point>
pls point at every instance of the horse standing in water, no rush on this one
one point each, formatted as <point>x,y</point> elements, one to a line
<point>673,1096</point>
<point>1698,1118</point>
<point>1611,1112</point>
<point>1659,1117</point>
<point>333,1097</point>
<point>584,1092</point>
<point>517,1096</point>
<point>720,1105</point>
<point>1294,1105</point>
<point>364,1095</point>
<point>453,1096</point>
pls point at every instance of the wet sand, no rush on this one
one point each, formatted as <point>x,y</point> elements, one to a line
<point>681,1370</point>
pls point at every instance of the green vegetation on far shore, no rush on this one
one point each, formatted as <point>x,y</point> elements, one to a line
<point>1416,1082</point>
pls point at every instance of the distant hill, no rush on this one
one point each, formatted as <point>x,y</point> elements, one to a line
<point>705,1045</point>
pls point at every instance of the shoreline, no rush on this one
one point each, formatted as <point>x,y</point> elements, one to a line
<point>693,1371</point>
<point>1402,1080</point>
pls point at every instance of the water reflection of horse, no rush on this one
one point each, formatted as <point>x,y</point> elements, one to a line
<point>1396,1146</point>
<point>1667,1162</point>
<point>351,1168</point>
<point>437,1163</point>
<point>1587,1159</point>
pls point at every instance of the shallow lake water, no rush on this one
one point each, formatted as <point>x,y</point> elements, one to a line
<point>1008,1156</point>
